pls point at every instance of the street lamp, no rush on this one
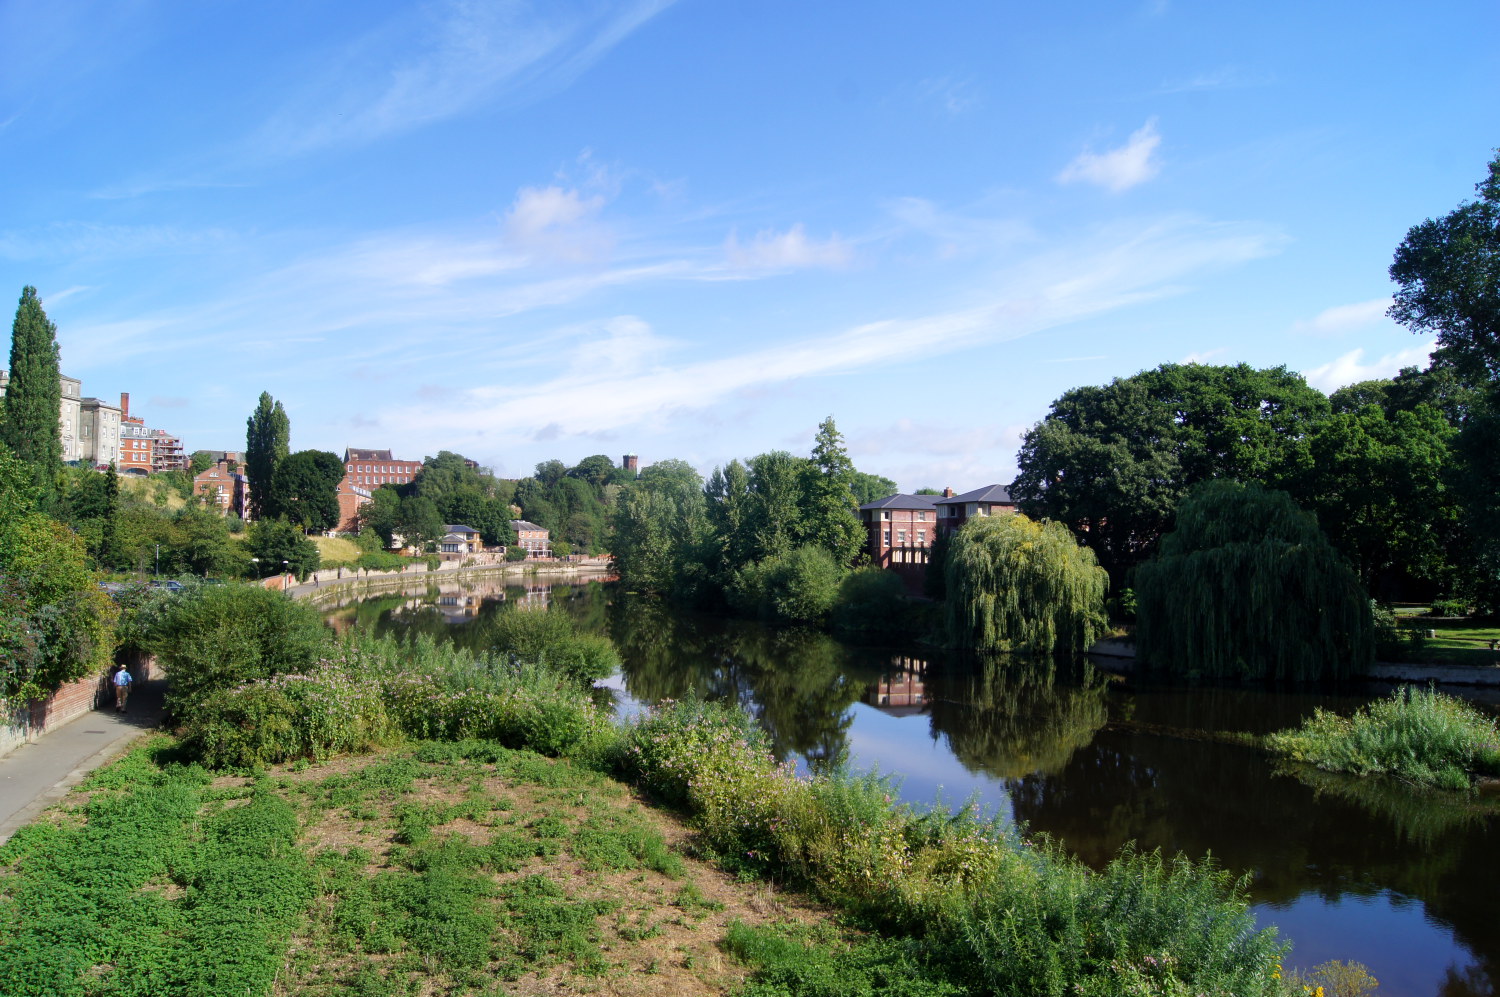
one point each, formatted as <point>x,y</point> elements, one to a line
<point>158,560</point>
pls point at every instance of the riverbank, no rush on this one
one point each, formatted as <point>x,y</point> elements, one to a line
<point>1116,655</point>
<point>320,590</point>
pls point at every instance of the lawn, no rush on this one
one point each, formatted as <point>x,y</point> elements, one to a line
<point>335,549</point>
<point>453,868</point>
<point>1456,641</point>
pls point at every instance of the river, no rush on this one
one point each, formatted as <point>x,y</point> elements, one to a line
<point>1404,882</point>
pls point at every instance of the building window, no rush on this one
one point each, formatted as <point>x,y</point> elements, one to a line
<point>885,514</point>
<point>901,537</point>
<point>887,540</point>
<point>921,516</point>
<point>921,538</point>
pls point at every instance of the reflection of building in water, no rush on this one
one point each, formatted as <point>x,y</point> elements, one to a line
<point>901,691</point>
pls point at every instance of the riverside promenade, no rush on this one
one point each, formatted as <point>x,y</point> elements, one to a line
<point>38,774</point>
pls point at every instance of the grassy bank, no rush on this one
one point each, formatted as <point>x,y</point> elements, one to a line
<point>1421,736</point>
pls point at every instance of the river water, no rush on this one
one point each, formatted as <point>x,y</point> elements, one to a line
<point>1405,882</point>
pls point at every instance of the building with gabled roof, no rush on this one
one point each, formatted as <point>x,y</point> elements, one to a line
<point>533,538</point>
<point>899,531</point>
<point>956,510</point>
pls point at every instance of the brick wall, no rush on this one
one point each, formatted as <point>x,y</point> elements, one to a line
<point>22,724</point>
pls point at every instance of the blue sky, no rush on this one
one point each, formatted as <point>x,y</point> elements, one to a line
<point>694,229</point>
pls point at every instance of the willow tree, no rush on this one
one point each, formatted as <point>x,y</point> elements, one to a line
<point>1015,584</point>
<point>1247,586</point>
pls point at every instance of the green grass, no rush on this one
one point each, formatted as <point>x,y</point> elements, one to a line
<point>1421,736</point>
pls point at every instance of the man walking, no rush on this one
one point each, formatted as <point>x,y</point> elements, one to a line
<point>122,688</point>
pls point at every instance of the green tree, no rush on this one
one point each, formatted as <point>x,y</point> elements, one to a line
<point>420,523</point>
<point>872,487</point>
<point>659,530</point>
<point>597,470</point>
<point>773,521</point>
<point>828,517</point>
<point>1246,586</point>
<point>268,434</point>
<point>305,489</point>
<point>1113,462</point>
<point>279,546</point>
<point>200,461</point>
<point>382,514</point>
<point>800,586</point>
<point>1447,271</point>
<point>1015,584</point>
<point>30,417</point>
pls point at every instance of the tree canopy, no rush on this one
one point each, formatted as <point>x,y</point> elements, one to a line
<point>1015,584</point>
<point>305,489</point>
<point>1114,461</point>
<point>1447,272</point>
<point>29,416</point>
<point>268,434</point>
<point>1247,587</point>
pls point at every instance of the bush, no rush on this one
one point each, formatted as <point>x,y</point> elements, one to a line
<point>380,560</point>
<point>799,587</point>
<point>995,914</point>
<point>223,636</point>
<point>1421,735</point>
<point>551,637</point>
<point>325,712</point>
<point>514,554</point>
<point>1449,607</point>
<point>874,603</point>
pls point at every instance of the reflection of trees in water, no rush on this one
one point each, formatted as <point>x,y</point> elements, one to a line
<point>800,685</point>
<point>1181,793</point>
<point>1418,816</point>
<point>1011,716</point>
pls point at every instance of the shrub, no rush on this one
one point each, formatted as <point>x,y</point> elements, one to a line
<point>1449,607</point>
<point>380,560</point>
<point>325,712</point>
<point>550,636</point>
<point>514,554</point>
<point>1420,735</point>
<point>872,602</point>
<point>222,636</point>
<point>798,587</point>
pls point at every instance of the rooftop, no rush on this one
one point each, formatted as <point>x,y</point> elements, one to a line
<point>998,494</point>
<point>903,502</point>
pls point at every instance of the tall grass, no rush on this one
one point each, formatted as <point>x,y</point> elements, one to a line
<point>997,914</point>
<point>1422,736</point>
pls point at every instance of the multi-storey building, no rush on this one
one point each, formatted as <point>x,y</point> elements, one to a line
<point>532,538</point>
<point>135,447</point>
<point>166,452</point>
<point>373,468</point>
<point>899,530</point>
<point>98,432</point>
<point>223,490</point>
<point>68,417</point>
<point>351,498</point>
<point>956,510</point>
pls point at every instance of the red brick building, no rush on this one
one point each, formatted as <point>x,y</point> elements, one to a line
<point>533,538</point>
<point>956,510</point>
<point>223,490</point>
<point>899,531</point>
<point>351,498</point>
<point>369,469</point>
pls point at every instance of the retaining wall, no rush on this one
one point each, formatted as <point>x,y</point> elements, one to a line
<point>24,724</point>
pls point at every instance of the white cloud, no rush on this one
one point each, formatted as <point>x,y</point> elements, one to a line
<point>1204,356</point>
<point>1343,318</point>
<point>1114,270</point>
<point>787,250</point>
<point>557,222</point>
<point>1351,368</point>
<point>445,60</point>
<point>1118,169</point>
<point>953,96</point>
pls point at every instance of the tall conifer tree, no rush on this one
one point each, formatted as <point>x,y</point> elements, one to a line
<point>268,436</point>
<point>29,422</point>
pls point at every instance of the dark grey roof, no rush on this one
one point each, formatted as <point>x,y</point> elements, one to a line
<point>520,524</point>
<point>458,528</point>
<point>989,493</point>
<point>902,502</point>
<point>355,453</point>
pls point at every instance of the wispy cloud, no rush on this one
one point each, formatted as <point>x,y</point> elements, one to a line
<point>1224,78</point>
<point>446,61</point>
<point>1119,169</point>
<point>74,240</point>
<point>1340,319</point>
<point>1111,271</point>
<point>1351,368</point>
<point>558,222</point>
<point>952,95</point>
<point>789,250</point>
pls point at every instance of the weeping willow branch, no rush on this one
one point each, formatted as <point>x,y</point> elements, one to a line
<point>1018,585</point>
<point>1247,586</point>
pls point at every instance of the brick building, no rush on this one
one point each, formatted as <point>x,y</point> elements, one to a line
<point>223,490</point>
<point>899,531</point>
<point>351,498</point>
<point>533,538</point>
<point>372,468</point>
<point>135,446</point>
<point>956,510</point>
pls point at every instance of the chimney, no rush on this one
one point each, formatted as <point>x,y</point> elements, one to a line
<point>947,493</point>
<point>124,405</point>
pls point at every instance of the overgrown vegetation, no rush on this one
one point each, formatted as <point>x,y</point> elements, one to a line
<point>1247,587</point>
<point>1422,736</point>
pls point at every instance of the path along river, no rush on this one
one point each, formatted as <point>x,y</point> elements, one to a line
<point>1408,884</point>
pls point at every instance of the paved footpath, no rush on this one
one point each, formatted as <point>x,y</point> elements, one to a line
<point>35,776</point>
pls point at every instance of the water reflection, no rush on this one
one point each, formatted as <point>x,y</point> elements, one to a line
<point>1353,869</point>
